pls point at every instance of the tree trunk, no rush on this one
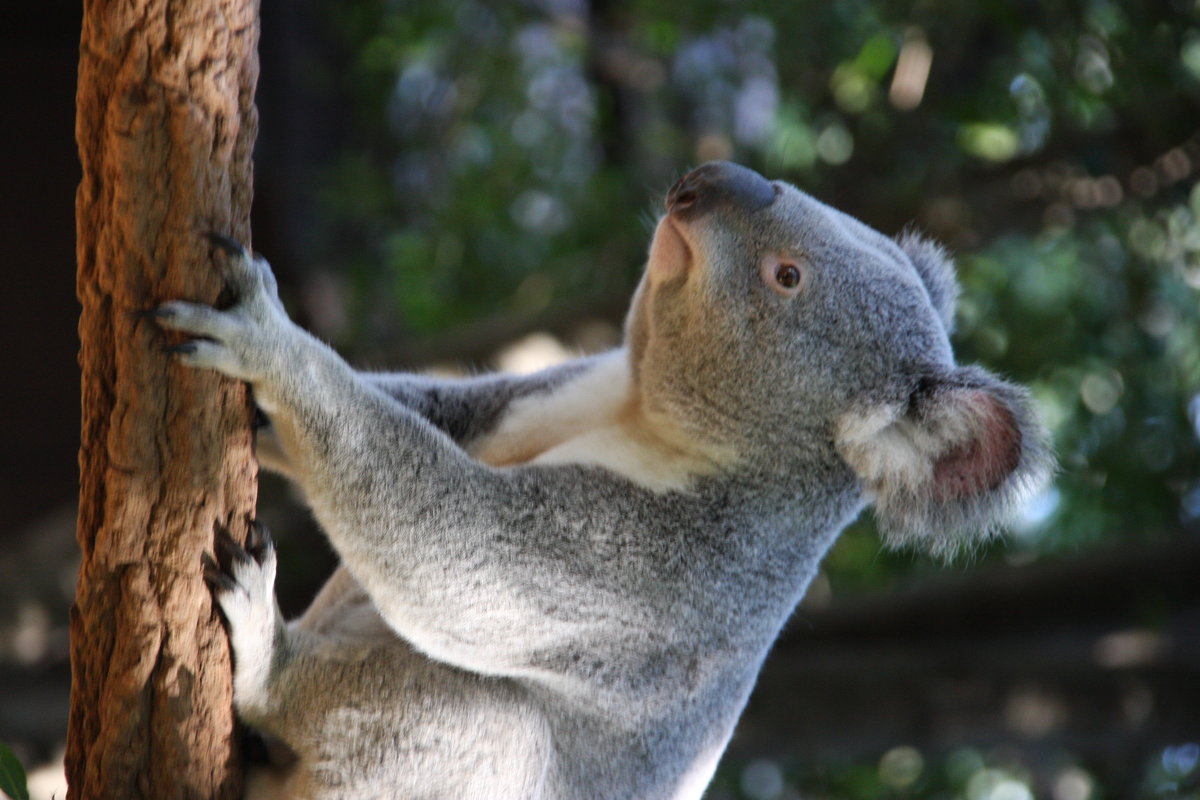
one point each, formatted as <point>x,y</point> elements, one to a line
<point>166,122</point>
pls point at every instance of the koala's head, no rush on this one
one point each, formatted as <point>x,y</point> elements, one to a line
<point>777,324</point>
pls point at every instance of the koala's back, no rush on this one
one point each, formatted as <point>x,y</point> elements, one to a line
<point>377,719</point>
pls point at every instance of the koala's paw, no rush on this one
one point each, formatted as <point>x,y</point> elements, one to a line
<point>242,580</point>
<point>242,341</point>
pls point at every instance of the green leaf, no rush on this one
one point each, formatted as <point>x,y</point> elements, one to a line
<point>991,141</point>
<point>12,775</point>
<point>876,56</point>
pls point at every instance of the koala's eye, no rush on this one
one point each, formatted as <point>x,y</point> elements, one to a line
<point>782,274</point>
<point>787,276</point>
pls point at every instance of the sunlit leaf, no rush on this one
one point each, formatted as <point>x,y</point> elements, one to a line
<point>990,141</point>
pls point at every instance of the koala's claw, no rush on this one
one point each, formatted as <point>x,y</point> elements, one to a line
<point>218,580</point>
<point>230,245</point>
<point>152,314</point>
<point>229,552</point>
<point>250,274</point>
<point>197,319</point>
<point>259,547</point>
<point>259,544</point>
<point>202,353</point>
<point>241,574</point>
<point>242,341</point>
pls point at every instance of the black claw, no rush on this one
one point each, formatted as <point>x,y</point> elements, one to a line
<point>186,348</point>
<point>158,312</point>
<point>229,245</point>
<point>216,578</point>
<point>258,541</point>
<point>228,551</point>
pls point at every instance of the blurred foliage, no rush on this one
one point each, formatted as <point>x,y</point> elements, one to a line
<point>1172,773</point>
<point>499,158</point>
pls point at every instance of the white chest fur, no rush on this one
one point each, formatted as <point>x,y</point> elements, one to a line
<point>597,419</point>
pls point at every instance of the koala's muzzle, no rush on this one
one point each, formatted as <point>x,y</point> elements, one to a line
<point>719,184</point>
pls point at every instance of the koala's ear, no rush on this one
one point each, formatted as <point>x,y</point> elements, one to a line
<point>936,269</point>
<point>950,464</point>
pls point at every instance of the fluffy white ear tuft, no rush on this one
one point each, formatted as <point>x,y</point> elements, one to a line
<point>952,462</point>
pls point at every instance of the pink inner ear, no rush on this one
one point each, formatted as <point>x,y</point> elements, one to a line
<point>982,463</point>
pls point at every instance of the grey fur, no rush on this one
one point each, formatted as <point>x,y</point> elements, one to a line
<point>563,585</point>
<point>933,264</point>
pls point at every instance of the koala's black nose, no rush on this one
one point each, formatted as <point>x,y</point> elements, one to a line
<point>716,184</point>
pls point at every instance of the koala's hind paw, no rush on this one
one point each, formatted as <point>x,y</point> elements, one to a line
<point>242,580</point>
<point>241,576</point>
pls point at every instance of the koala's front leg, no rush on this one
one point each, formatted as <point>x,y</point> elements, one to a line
<point>298,381</point>
<point>406,508</point>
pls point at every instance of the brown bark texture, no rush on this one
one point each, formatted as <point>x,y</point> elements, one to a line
<point>165,127</point>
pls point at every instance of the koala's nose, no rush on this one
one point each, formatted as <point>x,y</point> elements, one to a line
<point>716,184</point>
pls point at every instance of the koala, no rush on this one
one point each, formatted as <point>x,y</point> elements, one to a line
<point>563,585</point>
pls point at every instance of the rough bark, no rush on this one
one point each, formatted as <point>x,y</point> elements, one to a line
<point>165,127</point>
